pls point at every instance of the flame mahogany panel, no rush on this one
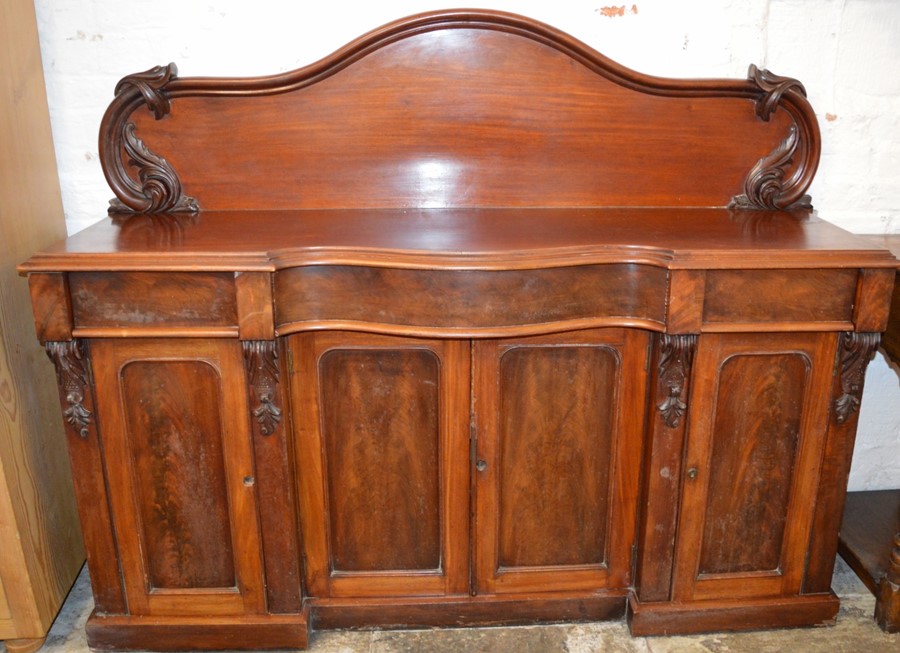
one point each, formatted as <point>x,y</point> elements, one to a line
<point>557,421</point>
<point>467,300</point>
<point>381,434</point>
<point>179,471</point>
<point>754,449</point>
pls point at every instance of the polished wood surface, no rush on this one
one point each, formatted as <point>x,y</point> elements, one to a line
<point>679,238</point>
<point>40,542</point>
<point>444,97</point>
<point>382,444</point>
<point>752,463</point>
<point>180,472</point>
<point>464,324</point>
<point>557,421</point>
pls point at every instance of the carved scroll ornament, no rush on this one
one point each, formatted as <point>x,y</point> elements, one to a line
<point>158,188</point>
<point>675,358</point>
<point>261,359</point>
<point>773,87</point>
<point>778,180</point>
<point>856,350</point>
<point>765,183</point>
<point>72,377</point>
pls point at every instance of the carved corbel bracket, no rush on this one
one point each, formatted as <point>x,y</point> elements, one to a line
<point>158,188</point>
<point>675,358</point>
<point>856,350</point>
<point>778,179</point>
<point>73,377</point>
<point>261,359</point>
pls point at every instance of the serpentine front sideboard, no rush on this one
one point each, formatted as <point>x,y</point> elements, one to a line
<point>463,324</point>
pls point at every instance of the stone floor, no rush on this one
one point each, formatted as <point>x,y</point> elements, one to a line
<point>855,632</point>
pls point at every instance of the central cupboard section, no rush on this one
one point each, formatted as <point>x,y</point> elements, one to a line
<point>443,466</point>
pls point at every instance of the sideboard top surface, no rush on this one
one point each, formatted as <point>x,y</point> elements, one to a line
<point>461,239</point>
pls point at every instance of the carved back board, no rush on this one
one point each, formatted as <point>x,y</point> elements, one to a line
<point>457,109</point>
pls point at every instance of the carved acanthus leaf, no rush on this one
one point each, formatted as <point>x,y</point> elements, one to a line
<point>773,87</point>
<point>159,185</point>
<point>856,350</point>
<point>675,358</point>
<point>72,377</point>
<point>261,359</point>
<point>765,183</point>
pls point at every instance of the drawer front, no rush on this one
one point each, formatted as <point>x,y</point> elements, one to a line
<point>153,300</point>
<point>815,299</point>
<point>463,302</point>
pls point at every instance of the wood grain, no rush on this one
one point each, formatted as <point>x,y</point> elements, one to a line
<point>557,420</point>
<point>466,301</point>
<point>156,426</point>
<point>670,378</point>
<point>559,441</point>
<point>40,541</point>
<point>178,466</point>
<point>464,239</point>
<point>381,430</point>
<point>138,300</point>
<point>274,453</point>
<point>766,296</point>
<point>384,460</point>
<point>753,458</point>
<point>738,402</point>
<point>468,115</point>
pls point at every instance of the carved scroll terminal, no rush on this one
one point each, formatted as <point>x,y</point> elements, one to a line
<point>856,350</point>
<point>72,377</point>
<point>773,87</point>
<point>261,359</point>
<point>159,189</point>
<point>151,84</point>
<point>675,358</point>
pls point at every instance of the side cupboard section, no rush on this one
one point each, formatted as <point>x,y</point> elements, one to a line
<point>750,433</point>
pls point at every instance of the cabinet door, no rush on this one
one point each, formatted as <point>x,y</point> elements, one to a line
<point>757,420</point>
<point>381,427</point>
<point>175,427</point>
<point>559,423</point>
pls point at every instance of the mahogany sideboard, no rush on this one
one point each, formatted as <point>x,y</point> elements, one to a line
<point>463,324</point>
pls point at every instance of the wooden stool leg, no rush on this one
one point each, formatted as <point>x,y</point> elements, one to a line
<point>887,608</point>
<point>29,645</point>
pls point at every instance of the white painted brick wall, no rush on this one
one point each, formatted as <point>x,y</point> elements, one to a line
<point>846,52</point>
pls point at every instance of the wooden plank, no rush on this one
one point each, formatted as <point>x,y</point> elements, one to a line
<point>40,548</point>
